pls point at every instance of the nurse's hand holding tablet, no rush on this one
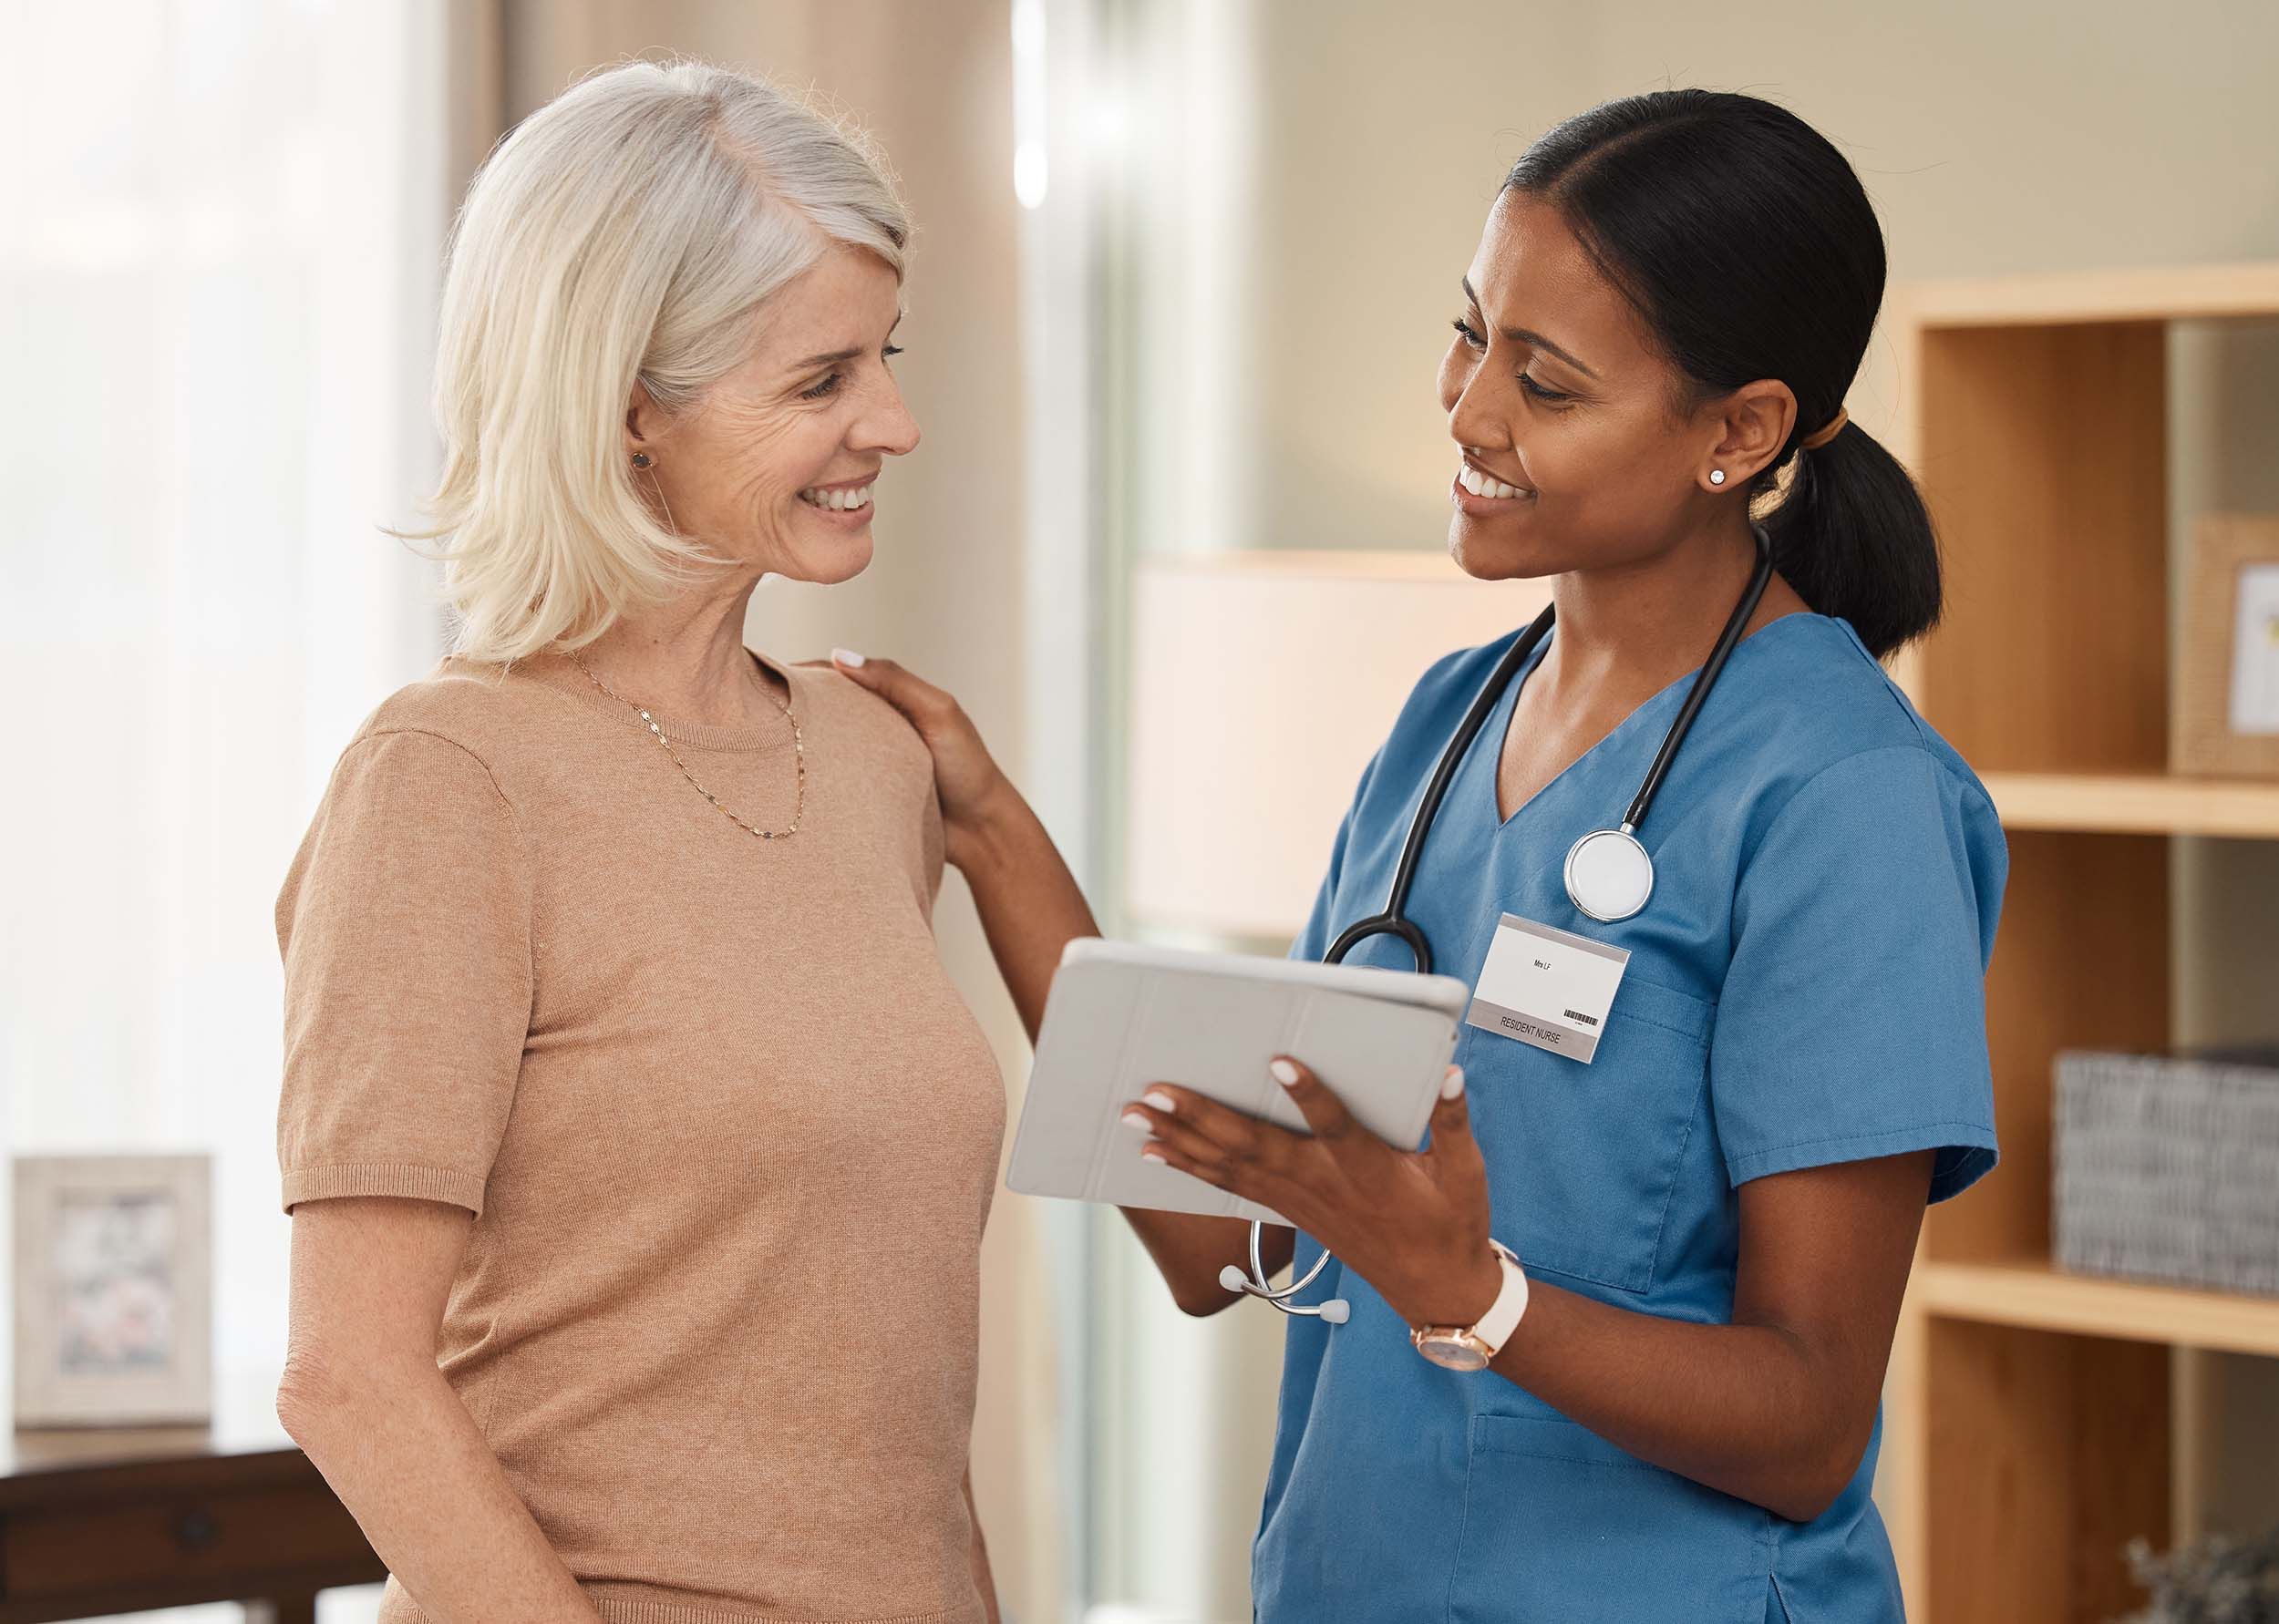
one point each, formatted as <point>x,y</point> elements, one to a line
<point>1413,1223</point>
<point>1161,1085</point>
<point>1718,902</point>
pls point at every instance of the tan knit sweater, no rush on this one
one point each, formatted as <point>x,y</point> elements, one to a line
<point>728,1131</point>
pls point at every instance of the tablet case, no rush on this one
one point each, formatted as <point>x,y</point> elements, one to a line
<point>1122,1016</point>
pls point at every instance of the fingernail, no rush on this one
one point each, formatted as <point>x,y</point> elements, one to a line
<point>1284,1073</point>
<point>846,656</point>
<point>1151,1152</point>
<point>1453,1084</point>
<point>1132,1119</point>
<point>1159,1100</point>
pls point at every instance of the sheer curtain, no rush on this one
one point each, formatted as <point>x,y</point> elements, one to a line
<point>1170,131</point>
<point>217,269</point>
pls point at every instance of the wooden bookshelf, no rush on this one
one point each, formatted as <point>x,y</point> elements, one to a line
<point>2027,1427</point>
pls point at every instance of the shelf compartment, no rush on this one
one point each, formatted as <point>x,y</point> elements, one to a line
<point>2034,1295</point>
<point>2051,1453</point>
<point>2046,658</point>
<point>2136,804</point>
<point>2080,962</point>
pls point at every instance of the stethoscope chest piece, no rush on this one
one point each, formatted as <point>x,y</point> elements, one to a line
<point>1609,875</point>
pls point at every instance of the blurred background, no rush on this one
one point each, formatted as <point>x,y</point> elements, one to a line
<point>1184,274</point>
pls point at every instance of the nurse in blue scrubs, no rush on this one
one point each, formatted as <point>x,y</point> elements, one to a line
<point>1714,1217</point>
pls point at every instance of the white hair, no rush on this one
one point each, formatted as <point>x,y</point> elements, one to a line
<point>625,231</point>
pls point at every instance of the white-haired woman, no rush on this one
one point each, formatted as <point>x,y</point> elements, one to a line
<point>640,1145</point>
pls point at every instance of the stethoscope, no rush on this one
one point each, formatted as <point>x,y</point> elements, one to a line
<point>1609,874</point>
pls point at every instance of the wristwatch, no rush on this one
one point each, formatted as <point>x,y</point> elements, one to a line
<point>1469,1348</point>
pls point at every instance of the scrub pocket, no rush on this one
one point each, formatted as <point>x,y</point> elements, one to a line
<point>1590,1153</point>
<point>1560,1523</point>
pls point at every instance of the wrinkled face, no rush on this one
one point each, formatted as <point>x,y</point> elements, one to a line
<point>777,464</point>
<point>1573,453</point>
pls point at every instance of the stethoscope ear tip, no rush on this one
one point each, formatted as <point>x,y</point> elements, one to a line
<point>1336,1311</point>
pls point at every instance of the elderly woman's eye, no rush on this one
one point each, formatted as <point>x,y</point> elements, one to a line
<point>829,386</point>
<point>890,351</point>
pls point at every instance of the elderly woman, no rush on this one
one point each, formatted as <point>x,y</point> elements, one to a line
<point>639,1145</point>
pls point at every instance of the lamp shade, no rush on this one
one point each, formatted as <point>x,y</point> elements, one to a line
<point>1262,683</point>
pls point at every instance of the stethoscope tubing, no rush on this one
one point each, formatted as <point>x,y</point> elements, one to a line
<point>1703,680</point>
<point>1392,922</point>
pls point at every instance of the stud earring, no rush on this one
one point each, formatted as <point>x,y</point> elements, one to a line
<point>1716,475</point>
<point>640,459</point>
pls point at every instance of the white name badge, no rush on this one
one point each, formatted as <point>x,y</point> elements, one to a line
<point>1545,987</point>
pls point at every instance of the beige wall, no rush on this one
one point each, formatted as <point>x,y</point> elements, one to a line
<point>945,593</point>
<point>1992,137</point>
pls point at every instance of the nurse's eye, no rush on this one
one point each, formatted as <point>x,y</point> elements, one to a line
<point>1470,337</point>
<point>1551,397</point>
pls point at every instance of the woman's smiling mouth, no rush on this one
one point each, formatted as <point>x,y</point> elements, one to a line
<point>840,498</point>
<point>1480,483</point>
<point>1480,495</point>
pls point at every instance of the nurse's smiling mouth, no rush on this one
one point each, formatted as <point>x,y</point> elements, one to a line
<point>1481,495</point>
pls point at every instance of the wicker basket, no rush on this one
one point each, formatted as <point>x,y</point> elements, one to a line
<point>2167,1167</point>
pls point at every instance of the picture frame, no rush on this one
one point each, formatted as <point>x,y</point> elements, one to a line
<point>114,1300</point>
<point>2225,718</point>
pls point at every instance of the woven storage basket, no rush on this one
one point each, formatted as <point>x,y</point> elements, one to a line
<point>2167,1167</point>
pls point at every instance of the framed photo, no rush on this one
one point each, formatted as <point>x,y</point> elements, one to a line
<point>2226,712</point>
<point>114,1310</point>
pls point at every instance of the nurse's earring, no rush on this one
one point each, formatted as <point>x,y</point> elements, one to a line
<point>1716,475</point>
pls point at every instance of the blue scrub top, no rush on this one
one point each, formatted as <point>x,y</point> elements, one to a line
<point>1805,986</point>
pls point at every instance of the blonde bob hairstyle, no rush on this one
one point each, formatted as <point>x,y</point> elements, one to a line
<point>625,231</point>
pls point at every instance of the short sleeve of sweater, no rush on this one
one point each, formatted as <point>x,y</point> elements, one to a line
<point>405,927</point>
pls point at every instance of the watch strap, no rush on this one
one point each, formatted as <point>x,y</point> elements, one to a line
<point>1503,1318</point>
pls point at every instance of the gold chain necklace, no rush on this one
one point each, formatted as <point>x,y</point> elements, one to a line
<point>799,752</point>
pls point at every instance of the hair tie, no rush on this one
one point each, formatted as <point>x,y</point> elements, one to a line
<point>1814,442</point>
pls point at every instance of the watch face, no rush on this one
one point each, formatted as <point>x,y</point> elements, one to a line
<point>1454,1353</point>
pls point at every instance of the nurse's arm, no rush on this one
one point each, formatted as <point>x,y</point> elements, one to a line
<point>1776,1408</point>
<point>1031,908</point>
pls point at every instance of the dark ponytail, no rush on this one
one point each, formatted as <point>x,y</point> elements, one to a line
<point>1746,242</point>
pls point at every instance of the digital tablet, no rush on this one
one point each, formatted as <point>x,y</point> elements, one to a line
<point>1121,1016</point>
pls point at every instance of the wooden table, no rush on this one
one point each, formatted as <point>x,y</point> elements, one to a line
<point>112,1520</point>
